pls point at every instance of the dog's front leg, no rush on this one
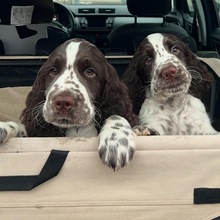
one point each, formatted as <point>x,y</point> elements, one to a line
<point>116,142</point>
<point>11,129</point>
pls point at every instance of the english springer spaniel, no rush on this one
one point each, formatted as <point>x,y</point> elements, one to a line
<point>78,93</point>
<point>165,81</point>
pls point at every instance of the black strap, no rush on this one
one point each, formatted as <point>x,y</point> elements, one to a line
<point>51,168</point>
<point>206,195</point>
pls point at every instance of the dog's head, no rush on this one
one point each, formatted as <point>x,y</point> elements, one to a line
<point>76,86</point>
<point>164,66</point>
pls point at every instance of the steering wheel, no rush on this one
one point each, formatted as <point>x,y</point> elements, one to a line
<point>65,20</point>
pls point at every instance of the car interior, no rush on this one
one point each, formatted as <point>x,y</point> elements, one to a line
<point>30,30</point>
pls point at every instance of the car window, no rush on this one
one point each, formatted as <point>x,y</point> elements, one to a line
<point>218,6</point>
<point>218,2</point>
<point>190,7</point>
<point>72,2</point>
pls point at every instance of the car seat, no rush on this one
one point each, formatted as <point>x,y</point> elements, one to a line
<point>128,37</point>
<point>23,23</point>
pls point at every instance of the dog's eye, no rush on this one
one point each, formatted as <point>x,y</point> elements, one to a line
<point>148,60</point>
<point>90,72</point>
<point>54,71</point>
<point>175,50</point>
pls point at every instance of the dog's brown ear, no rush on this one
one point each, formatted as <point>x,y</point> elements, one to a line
<point>202,78</point>
<point>115,98</point>
<point>136,89</point>
<point>31,116</point>
<point>35,96</point>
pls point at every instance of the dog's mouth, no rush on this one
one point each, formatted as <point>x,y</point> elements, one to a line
<point>176,87</point>
<point>67,110</point>
<point>73,117</point>
<point>172,87</point>
<point>71,122</point>
<point>172,81</point>
<point>63,122</point>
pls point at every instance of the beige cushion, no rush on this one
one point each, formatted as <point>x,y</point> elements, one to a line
<point>158,183</point>
<point>214,63</point>
<point>12,102</point>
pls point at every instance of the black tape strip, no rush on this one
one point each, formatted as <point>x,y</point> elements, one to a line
<point>206,195</point>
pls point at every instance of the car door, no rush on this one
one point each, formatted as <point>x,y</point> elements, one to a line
<point>201,20</point>
<point>214,36</point>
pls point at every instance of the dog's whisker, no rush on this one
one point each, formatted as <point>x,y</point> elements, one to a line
<point>98,118</point>
<point>145,89</point>
<point>62,131</point>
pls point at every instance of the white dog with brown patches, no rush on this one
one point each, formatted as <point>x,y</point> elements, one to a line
<point>167,73</point>
<point>78,93</point>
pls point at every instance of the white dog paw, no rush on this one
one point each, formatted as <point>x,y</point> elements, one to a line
<point>116,143</point>
<point>11,129</point>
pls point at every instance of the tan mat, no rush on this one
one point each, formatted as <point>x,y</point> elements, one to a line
<point>214,63</point>
<point>159,182</point>
<point>12,102</point>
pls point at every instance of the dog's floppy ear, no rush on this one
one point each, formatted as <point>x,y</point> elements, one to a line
<point>132,80</point>
<point>115,98</point>
<point>32,111</point>
<point>35,96</point>
<point>202,78</point>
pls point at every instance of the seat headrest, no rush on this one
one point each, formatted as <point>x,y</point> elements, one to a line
<point>149,8</point>
<point>20,12</point>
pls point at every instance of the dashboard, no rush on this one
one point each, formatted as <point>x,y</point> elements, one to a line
<point>95,22</point>
<point>95,16</point>
<point>92,22</point>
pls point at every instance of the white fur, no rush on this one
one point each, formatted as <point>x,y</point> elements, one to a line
<point>163,57</point>
<point>186,115</point>
<point>11,129</point>
<point>68,81</point>
<point>170,112</point>
<point>84,131</point>
<point>116,142</point>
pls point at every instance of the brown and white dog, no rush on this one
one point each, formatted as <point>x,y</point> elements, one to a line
<point>78,93</point>
<point>165,81</point>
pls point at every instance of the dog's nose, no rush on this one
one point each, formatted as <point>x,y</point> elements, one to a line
<point>169,72</point>
<point>63,103</point>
